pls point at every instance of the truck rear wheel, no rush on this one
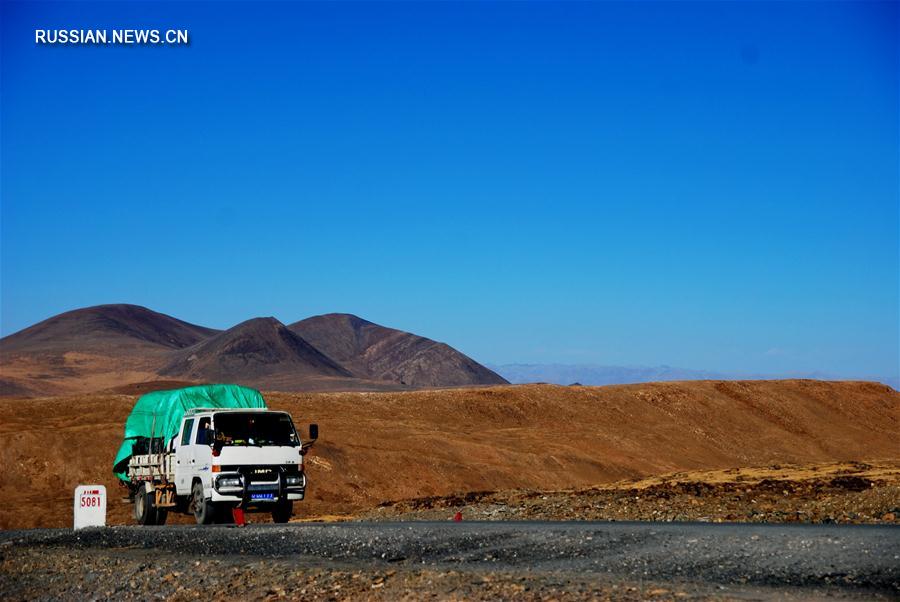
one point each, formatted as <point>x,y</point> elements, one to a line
<point>283,511</point>
<point>161,515</point>
<point>204,509</point>
<point>145,512</point>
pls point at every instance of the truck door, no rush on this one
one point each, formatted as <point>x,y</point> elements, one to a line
<point>184,473</point>
<point>202,452</point>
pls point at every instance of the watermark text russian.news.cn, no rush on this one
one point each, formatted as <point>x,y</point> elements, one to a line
<point>101,37</point>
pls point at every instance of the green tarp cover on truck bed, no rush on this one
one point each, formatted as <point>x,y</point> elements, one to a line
<point>159,413</point>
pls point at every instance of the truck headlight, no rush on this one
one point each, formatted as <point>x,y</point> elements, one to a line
<point>229,482</point>
<point>292,479</point>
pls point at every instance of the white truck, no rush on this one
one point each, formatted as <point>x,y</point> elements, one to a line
<point>219,460</point>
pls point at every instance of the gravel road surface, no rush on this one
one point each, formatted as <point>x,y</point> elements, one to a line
<point>458,560</point>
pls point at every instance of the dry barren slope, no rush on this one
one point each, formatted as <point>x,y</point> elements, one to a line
<point>382,446</point>
<point>92,348</point>
<point>375,352</point>
<point>103,326</point>
<point>112,346</point>
<point>255,351</point>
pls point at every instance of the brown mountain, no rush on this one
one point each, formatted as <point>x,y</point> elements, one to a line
<point>108,347</point>
<point>105,329</point>
<point>91,349</point>
<point>256,352</point>
<point>378,353</point>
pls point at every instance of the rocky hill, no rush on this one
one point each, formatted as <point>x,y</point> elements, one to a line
<point>254,352</point>
<point>103,328</point>
<point>378,353</point>
<point>128,347</point>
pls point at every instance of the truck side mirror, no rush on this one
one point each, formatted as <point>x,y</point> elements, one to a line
<point>313,431</point>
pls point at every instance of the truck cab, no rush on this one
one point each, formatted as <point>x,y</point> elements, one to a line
<point>219,460</point>
<point>252,458</point>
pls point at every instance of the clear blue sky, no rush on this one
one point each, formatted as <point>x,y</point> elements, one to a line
<point>712,186</point>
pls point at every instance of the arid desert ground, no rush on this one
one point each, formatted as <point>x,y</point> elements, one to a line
<point>757,451</point>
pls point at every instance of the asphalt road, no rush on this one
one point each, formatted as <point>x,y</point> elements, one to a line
<point>830,558</point>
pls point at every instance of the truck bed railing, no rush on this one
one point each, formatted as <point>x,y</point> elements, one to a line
<point>152,467</point>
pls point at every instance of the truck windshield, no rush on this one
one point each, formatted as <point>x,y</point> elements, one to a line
<point>235,428</point>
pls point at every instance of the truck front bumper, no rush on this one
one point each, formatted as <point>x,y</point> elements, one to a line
<point>235,487</point>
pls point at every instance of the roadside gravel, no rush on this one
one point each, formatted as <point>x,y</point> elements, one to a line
<point>847,493</point>
<point>455,560</point>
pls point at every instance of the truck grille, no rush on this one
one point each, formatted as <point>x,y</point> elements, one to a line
<point>262,487</point>
<point>255,473</point>
<point>262,474</point>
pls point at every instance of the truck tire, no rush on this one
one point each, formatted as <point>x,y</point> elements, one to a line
<point>161,515</point>
<point>204,509</point>
<point>183,504</point>
<point>224,515</point>
<point>283,511</point>
<point>145,512</point>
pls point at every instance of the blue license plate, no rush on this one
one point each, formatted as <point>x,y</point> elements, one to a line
<point>262,496</point>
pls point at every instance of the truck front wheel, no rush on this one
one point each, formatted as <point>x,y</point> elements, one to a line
<point>145,512</point>
<point>204,510</point>
<point>283,511</point>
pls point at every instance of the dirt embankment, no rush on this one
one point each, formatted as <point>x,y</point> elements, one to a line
<point>839,492</point>
<point>393,446</point>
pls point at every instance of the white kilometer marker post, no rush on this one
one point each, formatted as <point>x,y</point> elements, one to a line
<point>90,506</point>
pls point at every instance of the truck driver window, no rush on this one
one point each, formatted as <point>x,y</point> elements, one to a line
<point>235,428</point>
<point>186,433</point>
<point>202,428</point>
